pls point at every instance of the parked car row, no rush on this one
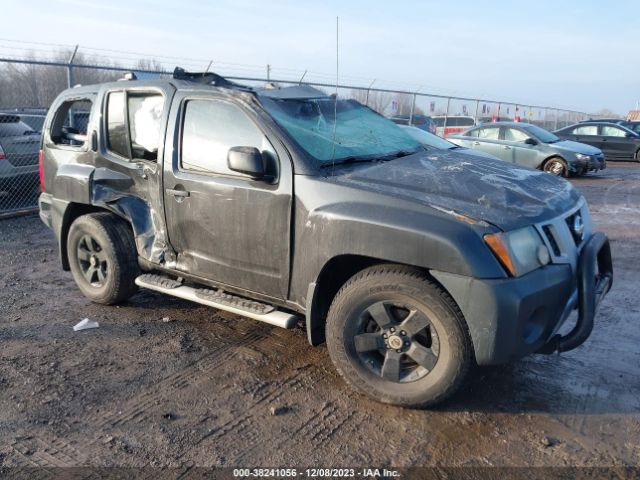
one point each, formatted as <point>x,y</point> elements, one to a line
<point>532,146</point>
<point>573,150</point>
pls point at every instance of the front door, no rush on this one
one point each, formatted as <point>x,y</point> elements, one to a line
<point>223,225</point>
<point>615,143</point>
<point>487,139</point>
<point>521,153</point>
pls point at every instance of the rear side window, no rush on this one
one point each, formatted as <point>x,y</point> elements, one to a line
<point>586,130</point>
<point>210,129</point>
<point>70,122</point>
<point>116,125</point>
<point>134,124</point>
<point>489,133</point>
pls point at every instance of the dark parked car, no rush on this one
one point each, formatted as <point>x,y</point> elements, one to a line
<point>289,206</point>
<point>19,146</point>
<point>615,141</point>
<point>434,142</point>
<point>423,122</point>
<point>531,146</point>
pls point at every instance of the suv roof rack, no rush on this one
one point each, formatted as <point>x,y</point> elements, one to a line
<point>208,78</point>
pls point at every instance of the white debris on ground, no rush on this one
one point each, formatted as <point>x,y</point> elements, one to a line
<point>85,324</point>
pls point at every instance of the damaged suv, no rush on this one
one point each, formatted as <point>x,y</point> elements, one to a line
<point>289,206</point>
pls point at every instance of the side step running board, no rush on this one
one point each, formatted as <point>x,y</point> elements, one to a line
<point>220,300</point>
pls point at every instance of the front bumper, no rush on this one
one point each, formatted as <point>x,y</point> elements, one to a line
<point>597,163</point>
<point>595,277</point>
<point>513,317</point>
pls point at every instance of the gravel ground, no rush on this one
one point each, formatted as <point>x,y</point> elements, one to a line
<point>207,388</point>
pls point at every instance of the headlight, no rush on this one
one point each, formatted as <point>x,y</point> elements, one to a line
<point>583,157</point>
<point>520,251</point>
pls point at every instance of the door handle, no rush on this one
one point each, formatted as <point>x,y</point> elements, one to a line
<point>177,193</point>
<point>506,147</point>
<point>476,143</point>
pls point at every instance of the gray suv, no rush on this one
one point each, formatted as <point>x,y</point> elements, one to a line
<point>291,207</point>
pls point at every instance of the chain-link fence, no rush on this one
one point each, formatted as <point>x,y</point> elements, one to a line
<point>28,87</point>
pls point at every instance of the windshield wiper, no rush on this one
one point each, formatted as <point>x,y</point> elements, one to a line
<point>347,160</point>
<point>399,154</point>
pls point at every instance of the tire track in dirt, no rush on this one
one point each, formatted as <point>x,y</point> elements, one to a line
<point>45,453</point>
<point>187,377</point>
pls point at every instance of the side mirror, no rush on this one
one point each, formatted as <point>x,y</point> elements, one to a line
<point>247,160</point>
<point>531,141</point>
<point>630,135</point>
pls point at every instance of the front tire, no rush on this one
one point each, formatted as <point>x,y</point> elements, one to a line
<point>103,258</point>
<point>398,337</point>
<point>556,166</point>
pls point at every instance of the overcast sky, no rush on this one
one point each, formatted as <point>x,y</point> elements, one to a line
<point>567,53</point>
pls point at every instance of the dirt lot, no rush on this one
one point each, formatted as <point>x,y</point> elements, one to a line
<point>200,388</point>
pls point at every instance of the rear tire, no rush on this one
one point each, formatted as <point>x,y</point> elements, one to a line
<point>556,166</point>
<point>638,155</point>
<point>103,258</point>
<point>427,350</point>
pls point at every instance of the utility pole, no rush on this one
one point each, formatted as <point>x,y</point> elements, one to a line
<point>268,72</point>
<point>70,67</point>
<point>70,83</point>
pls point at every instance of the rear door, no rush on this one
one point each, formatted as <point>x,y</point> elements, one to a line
<point>131,135</point>
<point>223,225</point>
<point>616,144</point>
<point>487,139</point>
<point>587,134</point>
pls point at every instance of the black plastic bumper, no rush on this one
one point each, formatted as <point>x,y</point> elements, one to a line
<point>513,317</point>
<point>595,277</point>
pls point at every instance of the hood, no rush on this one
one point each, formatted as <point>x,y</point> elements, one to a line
<point>575,147</point>
<point>497,192</point>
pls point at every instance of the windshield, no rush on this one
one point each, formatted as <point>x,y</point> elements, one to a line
<point>359,132</point>
<point>543,135</point>
<point>633,126</point>
<point>429,139</point>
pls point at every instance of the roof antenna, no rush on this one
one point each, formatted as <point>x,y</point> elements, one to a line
<point>302,77</point>
<point>335,103</point>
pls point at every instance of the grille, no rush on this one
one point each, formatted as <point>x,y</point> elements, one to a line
<point>552,240</point>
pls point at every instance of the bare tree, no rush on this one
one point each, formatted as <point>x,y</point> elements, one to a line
<point>376,100</point>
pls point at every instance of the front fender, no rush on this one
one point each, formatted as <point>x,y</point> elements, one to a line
<point>412,237</point>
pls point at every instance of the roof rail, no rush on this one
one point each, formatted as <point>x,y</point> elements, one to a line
<point>208,78</point>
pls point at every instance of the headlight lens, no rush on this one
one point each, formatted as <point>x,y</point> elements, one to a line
<point>581,156</point>
<point>520,251</point>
